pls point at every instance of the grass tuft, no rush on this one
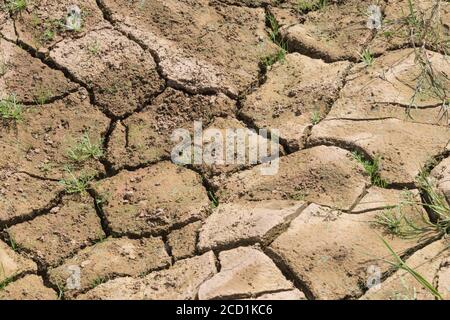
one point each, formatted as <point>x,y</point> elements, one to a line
<point>85,149</point>
<point>367,57</point>
<point>10,109</point>
<point>275,36</point>
<point>214,200</point>
<point>98,281</point>
<point>304,6</point>
<point>315,117</point>
<point>274,58</point>
<point>395,220</point>
<point>15,6</point>
<point>76,184</point>
<point>372,168</point>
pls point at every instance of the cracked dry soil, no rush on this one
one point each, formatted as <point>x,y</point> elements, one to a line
<point>134,225</point>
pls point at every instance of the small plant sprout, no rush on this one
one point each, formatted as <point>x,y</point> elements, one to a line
<point>6,282</point>
<point>274,31</point>
<point>48,35</point>
<point>214,200</point>
<point>73,18</point>
<point>76,184</point>
<point>367,57</point>
<point>435,203</point>
<point>98,281</point>
<point>15,6</point>
<point>94,48</point>
<point>275,36</point>
<point>10,109</point>
<point>304,6</point>
<point>396,222</point>
<point>372,168</point>
<point>85,149</point>
<point>43,96</point>
<point>315,117</point>
<point>12,242</point>
<point>272,59</point>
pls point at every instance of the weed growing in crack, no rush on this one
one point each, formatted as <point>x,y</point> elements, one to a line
<point>275,36</point>
<point>435,203</point>
<point>43,96</point>
<point>367,57</point>
<point>15,6</point>
<point>214,200</point>
<point>6,282</point>
<point>396,222</point>
<point>48,28</point>
<point>304,6</point>
<point>400,264</point>
<point>315,117</point>
<point>274,58</point>
<point>274,31</point>
<point>61,291</point>
<point>12,242</point>
<point>98,281</point>
<point>436,225</point>
<point>10,109</point>
<point>298,197</point>
<point>74,184</point>
<point>372,168</point>
<point>85,149</point>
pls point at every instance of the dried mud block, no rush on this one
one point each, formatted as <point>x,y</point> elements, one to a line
<point>395,32</point>
<point>153,199</point>
<point>294,294</point>
<point>326,175</point>
<point>201,47</point>
<point>431,262</point>
<point>180,282</point>
<point>245,272</point>
<point>122,75</point>
<point>30,287</point>
<point>387,90</point>
<point>72,225</point>
<point>146,137</point>
<point>248,153</point>
<point>440,177</point>
<point>182,242</point>
<point>402,148</point>
<point>22,195</point>
<point>298,93</point>
<point>109,259</point>
<point>7,26</point>
<point>333,252</point>
<point>379,199</point>
<point>247,223</point>
<point>27,79</point>
<point>44,22</point>
<point>13,264</point>
<point>40,143</point>
<point>335,32</point>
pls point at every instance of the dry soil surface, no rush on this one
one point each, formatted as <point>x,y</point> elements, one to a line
<point>123,221</point>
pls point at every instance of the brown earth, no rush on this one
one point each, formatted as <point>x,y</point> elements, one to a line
<point>152,200</point>
<point>88,183</point>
